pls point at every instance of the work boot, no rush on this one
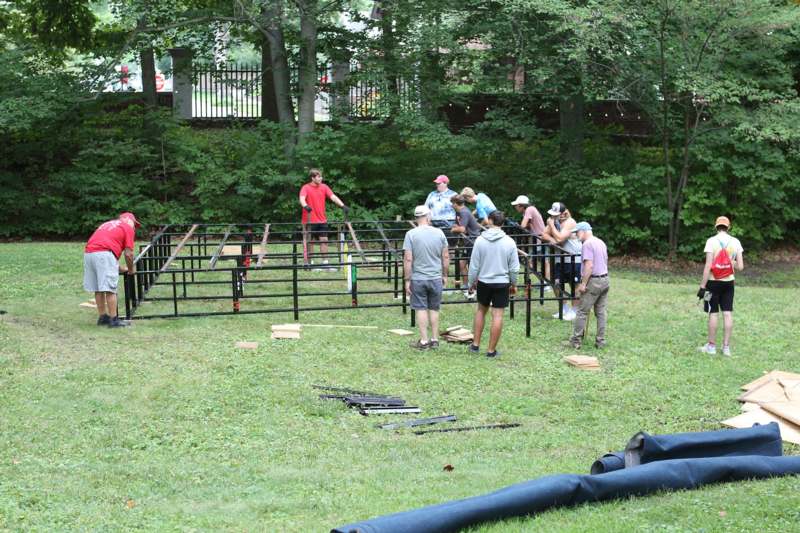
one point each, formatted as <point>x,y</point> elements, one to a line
<point>117,323</point>
<point>570,344</point>
<point>103,320</point>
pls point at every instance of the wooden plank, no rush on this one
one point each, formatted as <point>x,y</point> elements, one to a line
<point>777,390</point>
<point>401,332</point>
<point>214,258</point>
<point>787,410</point>
<point>179,248</point>
<point>337,326</point>
<point>246,345</point>
<point>263,252</point>
<point>789,431</point>
<point>355,241</point>
<point>769,376</point>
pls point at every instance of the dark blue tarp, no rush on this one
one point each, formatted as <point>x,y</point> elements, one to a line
<point>608,463</point>
<point>644,448</point>
<point>571,489</point>
<point>757,440</point>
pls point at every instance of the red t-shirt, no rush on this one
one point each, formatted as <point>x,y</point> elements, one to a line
<point>315,198</point>
<point>112,236</point>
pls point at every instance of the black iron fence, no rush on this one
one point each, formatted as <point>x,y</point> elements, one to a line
<point>228,91</point>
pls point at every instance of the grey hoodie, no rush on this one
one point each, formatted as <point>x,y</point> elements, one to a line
<point>494,258</point>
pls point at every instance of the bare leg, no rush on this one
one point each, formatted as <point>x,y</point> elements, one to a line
<point>727,325</point>
<point>713,320</point>
<point>434,317</point>
<point>100,300</point>
<point>422,322</point>
<point>497,327</point>
<point>464,271</point>
<point>477,326</point>
<point>111,304</point>
<point>323,247</point>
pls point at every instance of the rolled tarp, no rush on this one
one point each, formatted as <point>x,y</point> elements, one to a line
<point>608,463</point>
<point>548,492</point>
<point>645,448</point>
<point>757,440</point>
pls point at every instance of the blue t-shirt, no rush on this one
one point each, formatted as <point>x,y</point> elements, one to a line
<point>440,205</point>
<point>483,206</point>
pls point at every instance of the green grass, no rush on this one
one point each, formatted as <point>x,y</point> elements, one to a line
<point>166,426</point>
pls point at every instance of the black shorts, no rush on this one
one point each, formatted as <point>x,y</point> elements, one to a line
<point>566,272</point>
<point>493,294</point>
<point>721,296</point>
<point>317,230</point>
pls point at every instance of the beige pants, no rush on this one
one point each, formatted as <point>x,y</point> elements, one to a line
<point>596,296</point>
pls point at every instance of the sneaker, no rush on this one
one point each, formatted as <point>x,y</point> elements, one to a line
<point>600,345</point>
<point>710,349</point>
<point>103,320</point>
<point>726,351</point>
<point>327,267</point>
<point>117,323</point>
<point>570,344</point>
<point>434,343</point>
<point>547,288</point>
<point>570,314</point>
<point>492,354</point>
<point>419,345</point>
<point>474,349</point>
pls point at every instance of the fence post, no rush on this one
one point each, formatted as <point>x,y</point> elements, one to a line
<point>181,82</point>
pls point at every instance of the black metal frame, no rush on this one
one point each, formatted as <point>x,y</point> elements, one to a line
<point>198,249</point>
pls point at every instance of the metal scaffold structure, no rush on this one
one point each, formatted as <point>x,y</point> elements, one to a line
<point>227,269</point>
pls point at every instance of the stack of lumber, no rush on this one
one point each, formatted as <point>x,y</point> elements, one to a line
<point>458,334</point>
<point>584,362</point>
<point>774,397</point>
<point>286,331</point>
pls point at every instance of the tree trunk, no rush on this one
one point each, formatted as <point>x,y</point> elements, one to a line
<point>280,64</point>
<point>572,126</point>
<point>269,106</point>
<point>148,74</point>
<point>308,69</point>
<point>389,45</point>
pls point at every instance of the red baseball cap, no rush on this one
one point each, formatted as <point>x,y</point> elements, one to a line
<point>441,179</point>
<point>131,216</point>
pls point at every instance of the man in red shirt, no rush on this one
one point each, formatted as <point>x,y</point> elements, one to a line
<point>101,264</point>
<point>315,224</point>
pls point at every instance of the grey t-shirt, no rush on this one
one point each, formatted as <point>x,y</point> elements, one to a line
<point>426,244</point>
<point>465,218</point>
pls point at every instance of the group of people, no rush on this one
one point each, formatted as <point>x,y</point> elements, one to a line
<point>490,265</point>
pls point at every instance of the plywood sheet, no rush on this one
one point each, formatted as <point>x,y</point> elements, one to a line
<point>236,249</point>
<point>287,327</point>
<point>584,362</point>
<point>286,331</point>
<point>789,431</point>
<point>747,406</point>
<point>247,345</point>
<point>769,376</point>
<point>401,332</point>
<point>787,410</point>
<point>776,390</point>
<point>90,305</point>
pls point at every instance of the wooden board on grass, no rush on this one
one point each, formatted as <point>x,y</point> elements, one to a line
<point>776,390</point>
<point>787,410</point>
<point>247,345</point>
<point>286,331</point>
<point>401,332</point>
<point>789,431</point>
<point>769,376</point>
<point>90,305</point>
<point>584,362</point>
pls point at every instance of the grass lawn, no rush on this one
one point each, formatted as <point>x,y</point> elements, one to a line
<point>166,426</point>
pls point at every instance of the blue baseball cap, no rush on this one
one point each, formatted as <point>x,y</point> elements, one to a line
<point>582,226</point>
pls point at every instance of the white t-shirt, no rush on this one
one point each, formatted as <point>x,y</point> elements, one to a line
<point>723,240</point>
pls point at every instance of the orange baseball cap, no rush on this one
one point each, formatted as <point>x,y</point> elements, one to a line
<point>722,221</point>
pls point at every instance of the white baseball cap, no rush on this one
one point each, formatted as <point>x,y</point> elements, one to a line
<point>556,209</point>
<point>521,199</point>
<point>421,211</point>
